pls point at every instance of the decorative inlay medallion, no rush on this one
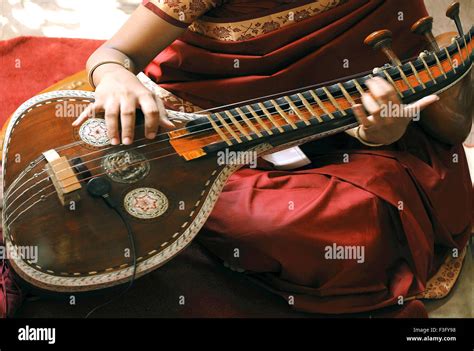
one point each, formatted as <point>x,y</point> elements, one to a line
<point>145,203</point>
<point>94,132</point>
<point>126,166</point>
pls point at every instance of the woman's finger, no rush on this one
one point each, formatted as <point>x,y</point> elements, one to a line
<point>361,116</point>
<point>414,109</point>
<point>127,120</point>
<point>372,107</point>
<point>150,111</point>
<point>112,111</point>
<point>84,115</point>
<point>163,116</point>
<point>381,90</point>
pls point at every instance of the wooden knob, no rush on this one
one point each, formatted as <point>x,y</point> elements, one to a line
<point>453,13</point>
<point>453,10</point>
<point>423,27</point>
<point>379,39</point>
<point>382,40</point>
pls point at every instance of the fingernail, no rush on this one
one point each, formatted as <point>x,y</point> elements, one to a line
<point>127,141</point>
<point>151,135</point>
<point>437,97</point>
<point>114,141</point>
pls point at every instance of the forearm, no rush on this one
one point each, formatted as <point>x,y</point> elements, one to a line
<point>139,40</point>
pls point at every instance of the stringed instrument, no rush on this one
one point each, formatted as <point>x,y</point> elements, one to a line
<point>101,214</point>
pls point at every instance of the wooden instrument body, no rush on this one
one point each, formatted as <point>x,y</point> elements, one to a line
<point>455,112</point>
<point>87,247</point>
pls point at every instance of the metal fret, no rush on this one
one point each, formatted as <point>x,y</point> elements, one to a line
<point>309,107</point>
<point>296,110</point>
<point>450,60</point>
<point>460,52</point>
<point>390,79</point>
<point>258,119</point>
<point>283,114</point>
<point>358,87</point>
<point>320,104</point>
<point>270,117</point>
<point>237,124</point>
<point>405,79</point>
<point>416,75</point>
<point>218,130</point>
<point>333,101</point>
<point>226,126</point>
<point>465,45</point>
<point>440,66</point>
<point>346,94</point>
<point>470,43</point>
<point>248,122</point>
<point>422,58</point>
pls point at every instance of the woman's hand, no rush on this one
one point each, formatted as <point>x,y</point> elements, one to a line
<point>389,118</point>
<point>118,95</point>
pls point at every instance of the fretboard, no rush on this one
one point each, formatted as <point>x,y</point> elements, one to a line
<point>329,107</point>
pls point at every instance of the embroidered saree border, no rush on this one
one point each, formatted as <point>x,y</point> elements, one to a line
<point>180,13</point>
<point>441,284</point>
<point>251,28</point>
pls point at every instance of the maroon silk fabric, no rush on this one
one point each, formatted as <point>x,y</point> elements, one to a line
<point>346,204</point>
<point>201,70</point>
<point>406,204</point>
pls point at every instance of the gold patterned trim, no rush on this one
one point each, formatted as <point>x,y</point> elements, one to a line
<point>248,29</point>
<point>175,103</point>
<point>181,11</point>
<point>171,101</point>
<point>443,281</point>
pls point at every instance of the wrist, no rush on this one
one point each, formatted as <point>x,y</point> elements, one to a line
<point>363,138</point>
<point>103,69</point>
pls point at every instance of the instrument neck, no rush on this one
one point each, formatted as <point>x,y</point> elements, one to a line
<point>430,73</point>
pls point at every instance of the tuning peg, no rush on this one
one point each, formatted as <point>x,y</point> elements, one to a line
<point>382,40</point>
<point>423,27</point>
<point>453,13</point>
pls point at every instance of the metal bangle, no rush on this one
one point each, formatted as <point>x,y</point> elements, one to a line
<point>97,65</point>
<point>358,137</point>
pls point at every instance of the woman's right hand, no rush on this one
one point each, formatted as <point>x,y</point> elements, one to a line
<point>118,94</point>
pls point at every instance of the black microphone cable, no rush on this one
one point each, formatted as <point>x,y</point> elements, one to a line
<point>100,187</point>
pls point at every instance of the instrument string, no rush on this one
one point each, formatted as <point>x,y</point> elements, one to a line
<point>80,181</point>
<point>277,118</point>
<point>78,143</point>
<point>91,169</point>
<point>226,133</point>
<point>254,100</point>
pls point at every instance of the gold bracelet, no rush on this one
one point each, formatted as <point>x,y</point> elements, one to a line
<point>97,65</point>
<point>358,137</point>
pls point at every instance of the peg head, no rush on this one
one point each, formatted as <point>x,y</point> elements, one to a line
<point>453,10</point>
<point>382,39</point>
<point>423,25</point>
<point>379,39</point>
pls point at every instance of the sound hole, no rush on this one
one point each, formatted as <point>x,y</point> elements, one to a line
<point>126,166</point>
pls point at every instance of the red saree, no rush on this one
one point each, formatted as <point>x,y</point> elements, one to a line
<point>408,204</point>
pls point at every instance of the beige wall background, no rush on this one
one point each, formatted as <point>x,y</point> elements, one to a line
<point>99,19</point>
<point>437,9</point>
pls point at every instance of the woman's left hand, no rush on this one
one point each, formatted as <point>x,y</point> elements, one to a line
<point>388,118</point>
